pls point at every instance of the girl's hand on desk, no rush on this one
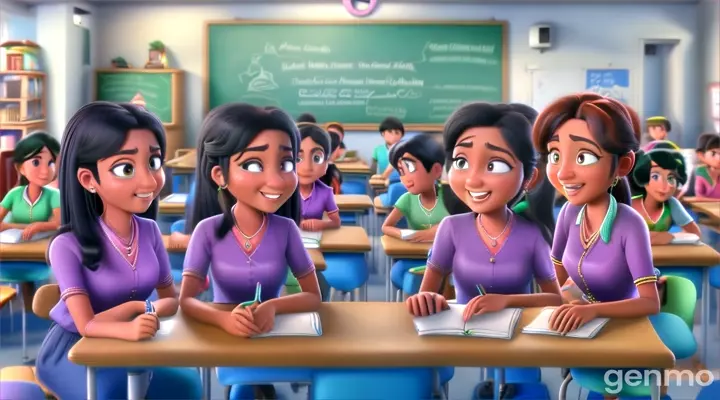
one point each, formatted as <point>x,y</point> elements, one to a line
<point>29,231</point>
<point>422,236</point>
<point>426,303</point>
<point>569,317</point>
<point>143,327</point>
<point>484,304</point>
<point>660,238</point>
<point>311,225</point>
<point>240,322</point>
<point>263,316</point>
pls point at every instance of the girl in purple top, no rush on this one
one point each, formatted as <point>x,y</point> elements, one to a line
<point>317,197</point>
<point>245,216</point>
<point>600,242</point>
<point>109,256</point>
<point>491,166</point>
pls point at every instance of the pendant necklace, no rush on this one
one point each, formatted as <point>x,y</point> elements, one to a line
<point>247,244</point>
<point>427,211</point>
<point>126,245</point>
<point>493,239</point>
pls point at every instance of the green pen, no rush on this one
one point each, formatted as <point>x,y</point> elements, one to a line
<point>258,292</point>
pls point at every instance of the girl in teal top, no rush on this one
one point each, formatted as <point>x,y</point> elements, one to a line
<point>656,176</point>
<point>419,162</point>
<point>32,206</point>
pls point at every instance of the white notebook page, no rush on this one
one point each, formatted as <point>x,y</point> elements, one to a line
<point>300,324</point>
<point>541,325</point>
<point>12,236</point>
<point>446,322</point>
<point>500,324</point>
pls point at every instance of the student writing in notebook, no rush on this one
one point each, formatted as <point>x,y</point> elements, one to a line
<point>491,166</point>
<point>655,177</point>
<point>312,162</point>
<point>419,161</point>
<point>245,216</point>
<point>600,241</point>
<point>32,206</point>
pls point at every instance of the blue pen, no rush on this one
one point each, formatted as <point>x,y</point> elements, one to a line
<point>481,291</point>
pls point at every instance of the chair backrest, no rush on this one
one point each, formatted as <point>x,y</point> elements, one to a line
<point>681,298</point>
<point>45,299</point>
<point>395,190</point>
<point>9,175</point>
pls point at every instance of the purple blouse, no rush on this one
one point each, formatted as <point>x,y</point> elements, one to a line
<point>321,200</point>
<point>236,273</point>
<point>115,281</point>
<point>459,249</point>
<point>618,261</point>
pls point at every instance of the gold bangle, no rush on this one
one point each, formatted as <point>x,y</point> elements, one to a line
<point>644,280</point>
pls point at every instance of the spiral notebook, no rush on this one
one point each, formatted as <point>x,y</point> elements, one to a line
<point>541,326</point>
<point>300,324</point>
<point>311,240</point>
<point>13,236</point>
<point>496,325</point>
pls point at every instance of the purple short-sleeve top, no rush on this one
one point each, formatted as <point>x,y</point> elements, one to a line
<point>459,249</point>
<point>236,273</point>
<point>115,281</point>
<point>321,200</point>
<point>612,266</point>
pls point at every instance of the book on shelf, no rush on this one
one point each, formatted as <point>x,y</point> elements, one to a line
<point>495,325</point>
<point>541,326</point>
<point>311,240</point>
<point>13,236</point>
<point>299,324</point>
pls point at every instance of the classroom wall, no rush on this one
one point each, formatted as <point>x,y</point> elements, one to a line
<point>588,36</point>
<point>710,34</point>
<point>17,21</point>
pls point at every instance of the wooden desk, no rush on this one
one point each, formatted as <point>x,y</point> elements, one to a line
<point>378,334</point>
<point>353,202</point>
<point>346,239</point>
<point>356,168</point>
<point>663,256</point>
<point>26,251</point>
<point>184,164</point>
<point>380,208</point>
<point>7,293</point>
<point>377,182</point>
<point>167,208</point>
<point>709,209</point>
<point>315,255</point>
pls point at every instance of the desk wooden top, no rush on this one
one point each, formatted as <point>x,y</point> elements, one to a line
<point>378,182</point>
<point>380,208</point>
<point>353,202</point>
<point>362,334</point>
<point>709,208</point>
<point>315,255</point>
<point>357,167</point>
<point>346,239</point>
<point>185,163</point>
<point>700,255</point>
<point>345,202</point>
<point>26,251</point>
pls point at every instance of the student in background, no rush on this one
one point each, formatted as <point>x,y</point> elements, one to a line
<point>317,197</point>
<point>707,185</point>
<point>655,177</point>
<point>701,168</point>
<point>333,176</point>
<point>307,118</point>
<point>109,192</point>
<point>658,128</point>
<point>419,162</point>
<point>337,129</point>
<point>244,225</point>
<point>392,131</point>
<point>33,206</point>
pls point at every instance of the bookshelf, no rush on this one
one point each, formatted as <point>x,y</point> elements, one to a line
<point>23,105</point>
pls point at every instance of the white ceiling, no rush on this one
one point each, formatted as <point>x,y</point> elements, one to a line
<point>388,1</point>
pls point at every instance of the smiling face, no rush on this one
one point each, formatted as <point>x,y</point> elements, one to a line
<point>662,185</point>
<point>484,173</point>
<point>578,166</point>
<point>312,162</point>
<point>392,136</point>
<point>263,175</point>
<point>133,177</point>
<point>39,169</point>
<point>415,177</point>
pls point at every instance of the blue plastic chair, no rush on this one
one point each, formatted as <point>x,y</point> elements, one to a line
<point>345,272</point>
<point>177,258</point>
<point>20,390</point>
<point>348,218</point>
<point>353,187</point>
<point>375,383</point>
<point>710,392</point>
<point>395,190</point>
<point>598,396</point>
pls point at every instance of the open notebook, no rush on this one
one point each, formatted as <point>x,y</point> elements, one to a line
<point>300,324</point>
<point>497,325</point>
<point>685,238</point>
<point>311,240</point>
<point>541,326</point>
<point>11,236</point>
<point>176,198</point>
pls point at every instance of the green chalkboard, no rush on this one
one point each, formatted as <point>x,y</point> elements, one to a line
<point>121,86</point>
<point>357,73</point>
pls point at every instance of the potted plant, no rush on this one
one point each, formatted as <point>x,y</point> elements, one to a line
<point>119,62</point>
<point>156,55</point>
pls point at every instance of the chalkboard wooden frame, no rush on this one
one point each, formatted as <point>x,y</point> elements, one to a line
<point>354,126</point>
<point>176,88</point>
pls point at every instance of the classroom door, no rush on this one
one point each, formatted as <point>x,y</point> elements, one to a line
<point>657,85</point>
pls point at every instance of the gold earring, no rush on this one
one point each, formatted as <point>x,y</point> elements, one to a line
<point>615,181</point>
<point>223,187</point>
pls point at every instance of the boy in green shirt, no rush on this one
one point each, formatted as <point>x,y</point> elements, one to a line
<point>33,207</point>
<point>392,131</point>
<point>419,162</point>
